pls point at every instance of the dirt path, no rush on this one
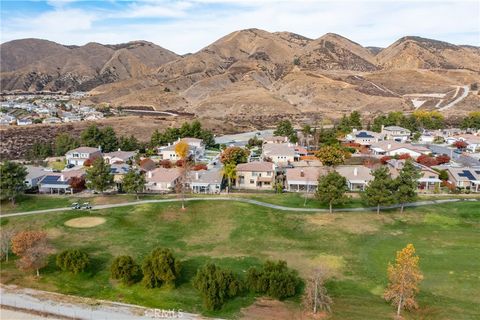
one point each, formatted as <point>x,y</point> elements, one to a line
<point>466,90</point>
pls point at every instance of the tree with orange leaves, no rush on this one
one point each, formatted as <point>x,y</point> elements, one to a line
<point>32,248</point>
<point>182,150</point>
<point>404,277</point>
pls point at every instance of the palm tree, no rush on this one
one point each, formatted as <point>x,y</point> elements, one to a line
<point>230,172</point>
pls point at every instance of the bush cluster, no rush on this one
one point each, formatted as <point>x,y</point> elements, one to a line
<point>73,260</point>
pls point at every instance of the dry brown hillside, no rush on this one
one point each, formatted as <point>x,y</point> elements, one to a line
<point>249,74</point>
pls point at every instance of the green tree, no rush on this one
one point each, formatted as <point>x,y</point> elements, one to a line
<point>327,137</point>
<point>331,189</point>
<point>285,128</point>
<point>472,121</point>
<point>331,156</point>
<point>380,190</point>
<point>65,142</point>
<point>344,125</point>
<point>109,141</point>
<point>406,184</point>
<point>125,269</point>
<point>73,260</point>
<point>40,150</point>
<point>156,139</point>
<point>133,182</point>
<point>216,285</point>
<point>99,176</point>
<point>12,180</point>
<point>92,136</point>
<point>128,143</point>
<point>275,279</point>
<point>160,267</point>
<point>443,175</point>
<point>355,120</point>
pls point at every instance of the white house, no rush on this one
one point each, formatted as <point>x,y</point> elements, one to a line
<point>24,122</point>
<point>396,133</point>
<point>118,156</point>
<point>196,149</point>
<point>34,175</point>
<point>393,148</point>
<point>279,153</point>
<point>301,179</point>
<point>364,137</point>
<point>78,156</point>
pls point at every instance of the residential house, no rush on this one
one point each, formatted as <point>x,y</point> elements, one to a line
<point>303,179</point>
<point>70,117</point>
<point>429,178</point>
<point>118,156</point>
<point>393,148</point>
<point>206,181</point>
<point>24,122</point>
<point>258,175</point>
<point>51,120</point>
<point>275,139</point>
<point>358,177</point>
<point>162,179</point>
<point>78,156</point>
<point>472,140</point>
<point>396,133</point>
<point>364,137</point>
<point>34,175</point>
<point>119,170</point>
<point>59,182</point>
<point>465,178</point>
<point>281,154</point>
<point>196,149</point>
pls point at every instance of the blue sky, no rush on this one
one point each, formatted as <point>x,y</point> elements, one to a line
<point>189,25</point>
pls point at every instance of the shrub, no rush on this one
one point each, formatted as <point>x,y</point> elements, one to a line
<point>384,159</point>
<point>216,285</point>
<point>275,279</point>
<point>166,164</point>
<point>160,267</point>
<point>125,269</point>
<point>73,260</point>
<point>427,160</point>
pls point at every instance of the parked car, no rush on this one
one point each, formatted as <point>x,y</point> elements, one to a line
<point>75,205</point>
<point>86,205</point>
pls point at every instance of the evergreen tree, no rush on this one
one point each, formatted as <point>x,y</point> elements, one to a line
<point>216,285</point>
<point>125,269</point>
<point>355,120</point>
<point>406,184</point>
<point>12,180</point>
<point>380,190</point>
<point>92,136</point>
<point>331,189</point>
<point>133,182</point>
<point>160,267</point>
<point>109,141</point>
<point>65,142</point>
<point>285,128</point>
<point>156,139</point>
<point>99,176</point>
<point>128,143</point>
<point>344,126</point>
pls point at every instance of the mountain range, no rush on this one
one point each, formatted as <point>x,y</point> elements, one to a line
<point>253,73</point>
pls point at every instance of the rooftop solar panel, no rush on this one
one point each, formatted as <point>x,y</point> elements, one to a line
<point>467,174</point>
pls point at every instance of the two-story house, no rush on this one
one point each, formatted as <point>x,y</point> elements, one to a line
<point>396,133</point>
<point>255,175</point>
<point>364,137</point>
<point>78,156</point>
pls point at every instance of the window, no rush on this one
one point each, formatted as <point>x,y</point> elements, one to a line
<point>252,181</point>
<point>269,173</point>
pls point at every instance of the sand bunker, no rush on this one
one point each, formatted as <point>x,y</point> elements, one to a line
<point>85,222</point>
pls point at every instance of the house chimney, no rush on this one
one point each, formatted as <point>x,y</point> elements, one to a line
<point>169,144</point>
<point>382,128</point>
<point>119,149</point>
<point>389,146</point>
<point>355,171</point>
<point>196,175</point>
<point>149,174</point>
<point>302,173</point>
<point>100,148</point>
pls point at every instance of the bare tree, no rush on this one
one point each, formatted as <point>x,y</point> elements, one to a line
<point>6,236</point>
<point>316,297</point>
<point>32,248</point>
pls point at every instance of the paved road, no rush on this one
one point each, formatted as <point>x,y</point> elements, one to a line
<point>28,302</point>
<point>251,201</point>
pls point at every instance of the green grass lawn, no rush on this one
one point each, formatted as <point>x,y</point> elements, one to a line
<point>356,247</point>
